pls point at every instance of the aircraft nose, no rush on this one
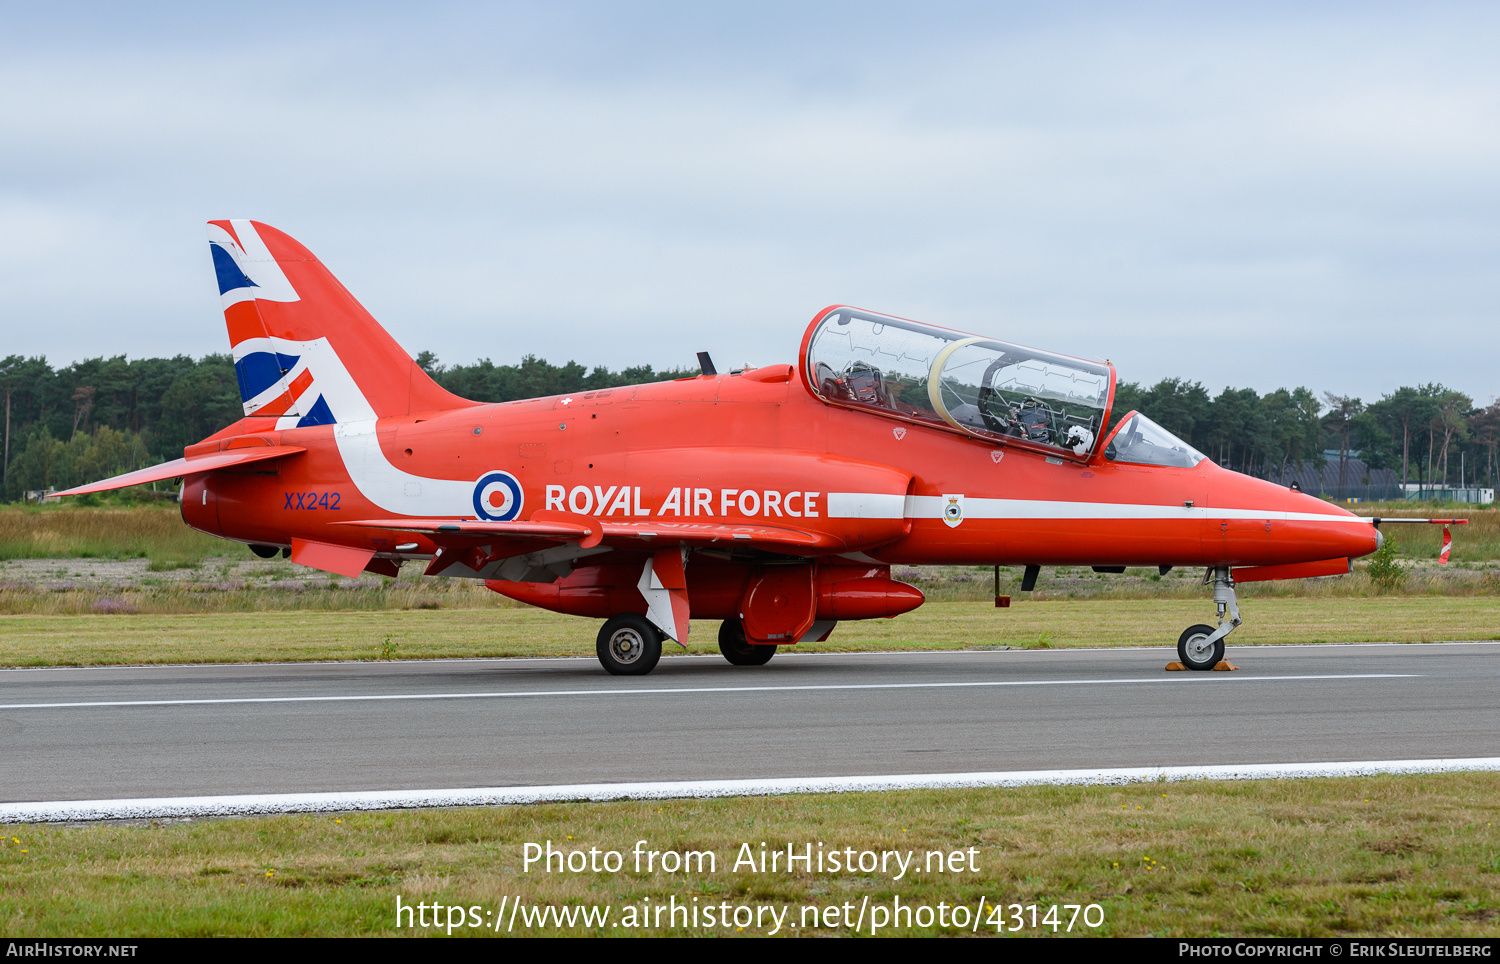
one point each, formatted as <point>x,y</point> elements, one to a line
<point>1313,529</point>
<point>1379,539</point>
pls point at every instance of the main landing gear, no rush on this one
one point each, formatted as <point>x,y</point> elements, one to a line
<point>629,645</point>
<point>738,650</point>
<point>1201,647</point>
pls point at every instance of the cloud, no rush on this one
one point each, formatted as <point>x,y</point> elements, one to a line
<point>1258,196</point>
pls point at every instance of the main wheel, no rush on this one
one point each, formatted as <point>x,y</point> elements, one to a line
<point>1195,651</point>
<point>629,645</point>
<point>740,651</point>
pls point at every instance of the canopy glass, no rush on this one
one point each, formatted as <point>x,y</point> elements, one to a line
<point>1143,442</point>
<point>986,388</point>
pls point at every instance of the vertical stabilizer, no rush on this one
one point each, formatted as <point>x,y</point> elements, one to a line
<point>304,349</point>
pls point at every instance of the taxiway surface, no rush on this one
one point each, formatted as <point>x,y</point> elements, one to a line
<point>286,728</point>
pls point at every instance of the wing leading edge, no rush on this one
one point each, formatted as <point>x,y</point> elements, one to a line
<point>589,532</point>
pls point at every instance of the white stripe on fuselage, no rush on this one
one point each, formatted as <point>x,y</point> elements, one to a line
<point>865,505</point>
<point>400,492</point>
<point>392,489</point>
<point>931,507</point>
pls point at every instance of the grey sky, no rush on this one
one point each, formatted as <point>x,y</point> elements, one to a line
<point>1260,195</point>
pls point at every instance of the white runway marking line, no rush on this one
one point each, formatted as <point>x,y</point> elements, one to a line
<point>253,804</point>
<point>670,690</point>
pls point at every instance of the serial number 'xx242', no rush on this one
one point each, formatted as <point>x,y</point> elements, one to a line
<point>311,500</point>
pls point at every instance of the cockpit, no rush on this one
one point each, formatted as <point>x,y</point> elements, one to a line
<point>985,388</point>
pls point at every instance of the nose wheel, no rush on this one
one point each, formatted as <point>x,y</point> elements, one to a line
<point>1201,647</point>
<point>1197,648</point>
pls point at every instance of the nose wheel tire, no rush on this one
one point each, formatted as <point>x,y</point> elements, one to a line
<point>738,650</point>
<point>629,645</point>
<point>1195,651</point>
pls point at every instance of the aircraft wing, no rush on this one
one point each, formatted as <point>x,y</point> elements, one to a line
<point>455,532</point>
<point>588,532</point>
<point>184,467</point>
<point>772,538</point>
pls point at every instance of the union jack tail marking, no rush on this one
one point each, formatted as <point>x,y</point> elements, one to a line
<point>305,351</point>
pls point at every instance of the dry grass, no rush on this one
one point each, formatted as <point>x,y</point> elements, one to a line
<point>220,585</point>
<point>334,594</point>
<point>977,583</point>
<point>1388,856</point>
<point>154,532</point>
<point>1479,541</point>
<point>511,630</point>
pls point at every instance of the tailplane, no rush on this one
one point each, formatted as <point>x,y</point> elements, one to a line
<point>305,351</point>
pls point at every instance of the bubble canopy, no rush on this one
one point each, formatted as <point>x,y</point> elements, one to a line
<point>982,387</point>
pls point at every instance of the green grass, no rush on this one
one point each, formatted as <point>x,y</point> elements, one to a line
<point>1409,856</point>
<point>510,630</point>
<point>1392,855</point>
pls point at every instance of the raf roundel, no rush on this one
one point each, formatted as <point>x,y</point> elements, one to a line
<point>498,497</point>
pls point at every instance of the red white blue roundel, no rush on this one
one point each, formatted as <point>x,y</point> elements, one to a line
<point>498,497</point>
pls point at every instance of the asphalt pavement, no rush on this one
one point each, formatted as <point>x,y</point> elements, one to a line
<point>166,731</point>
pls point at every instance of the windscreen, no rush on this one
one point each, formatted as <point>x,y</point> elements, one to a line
<point>1143,442</point>
<point>984,387</point>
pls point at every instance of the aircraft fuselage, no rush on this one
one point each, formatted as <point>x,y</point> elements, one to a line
<point>757,448</point>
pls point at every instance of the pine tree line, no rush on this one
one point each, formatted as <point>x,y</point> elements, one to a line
<point>102,416</point>
<point>1422,434</point>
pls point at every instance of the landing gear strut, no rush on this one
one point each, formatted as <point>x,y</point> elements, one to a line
<point>1201,647</point>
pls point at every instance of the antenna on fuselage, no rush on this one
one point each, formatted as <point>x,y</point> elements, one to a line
<point>706,364</point>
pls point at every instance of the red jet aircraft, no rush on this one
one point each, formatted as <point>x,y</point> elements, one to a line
<point>775,499</point>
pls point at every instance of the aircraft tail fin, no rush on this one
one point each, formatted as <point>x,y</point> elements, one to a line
<point>305,351</point>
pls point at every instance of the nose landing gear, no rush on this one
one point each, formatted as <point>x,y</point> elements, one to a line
<point>1201,647</point>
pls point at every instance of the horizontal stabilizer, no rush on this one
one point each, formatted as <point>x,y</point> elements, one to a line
<point>185,467</point>
<point>343,560</point>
